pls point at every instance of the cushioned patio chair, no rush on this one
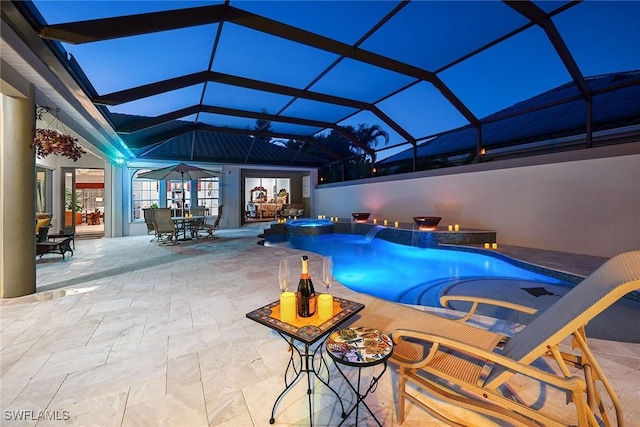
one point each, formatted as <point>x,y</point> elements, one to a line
<point>210,229</point>
<point>468,367</point>
<point>43,221</point>
<point>163,225</point>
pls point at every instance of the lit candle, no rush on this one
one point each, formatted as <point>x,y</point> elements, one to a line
<point>494,246</point>
<point>487,245</point>
<point>375,221</point>
<point>288,307</point>
<point>319,216</point>
<point>451,228</point>
<point>295,217</point>
<point>325,306</point>
<point>385,222</point>
<point>396,224</point>
<point>456,227</point>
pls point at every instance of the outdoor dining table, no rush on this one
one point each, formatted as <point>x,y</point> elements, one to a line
<point>184,223</point>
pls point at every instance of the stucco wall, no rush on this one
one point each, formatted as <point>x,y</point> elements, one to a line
<point>567,203</point>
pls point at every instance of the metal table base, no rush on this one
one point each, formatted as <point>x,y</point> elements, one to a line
<point>306,365</point>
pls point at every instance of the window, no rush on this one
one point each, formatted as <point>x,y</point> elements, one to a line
<point>209,194</point>
<point>144,193</point>
<point>177,199</point>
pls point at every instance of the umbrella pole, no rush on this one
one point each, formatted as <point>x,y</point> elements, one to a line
<point>183,190</point>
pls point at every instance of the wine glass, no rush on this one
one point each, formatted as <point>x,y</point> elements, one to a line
<point>327,272</point>
<point>283,275</point>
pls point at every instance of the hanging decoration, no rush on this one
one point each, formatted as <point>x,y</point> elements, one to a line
<point>52,141</point>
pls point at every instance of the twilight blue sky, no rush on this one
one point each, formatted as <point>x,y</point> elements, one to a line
<point>602,36</point>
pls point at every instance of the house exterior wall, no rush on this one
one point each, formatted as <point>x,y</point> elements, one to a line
<point>586,201</point>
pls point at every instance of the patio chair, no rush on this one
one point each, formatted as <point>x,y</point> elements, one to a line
<point>466,366</point>
<point>196,224</point>
<point>210,229</point>
<point>163,225</point>
<point>148,219</point>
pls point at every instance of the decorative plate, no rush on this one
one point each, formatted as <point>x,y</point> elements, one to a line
<point>359,345</point>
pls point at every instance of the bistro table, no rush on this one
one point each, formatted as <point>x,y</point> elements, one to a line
<point>306,332</point>
<point>190,223</point>
<point>360,347</point>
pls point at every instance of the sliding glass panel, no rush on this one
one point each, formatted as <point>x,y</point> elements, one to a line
<point>72,202</point>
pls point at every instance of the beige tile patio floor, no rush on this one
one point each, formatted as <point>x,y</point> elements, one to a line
<point>132,333</point>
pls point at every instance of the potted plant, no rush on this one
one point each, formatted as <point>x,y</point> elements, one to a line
<point>52,141</point>
<point>69,207</point>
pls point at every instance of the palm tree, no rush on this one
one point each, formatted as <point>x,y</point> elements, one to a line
<point>263,126</point>
<point>369,135</point>
<point>357,164</point>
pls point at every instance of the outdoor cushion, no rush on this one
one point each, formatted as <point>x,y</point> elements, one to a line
<point>43,222</point>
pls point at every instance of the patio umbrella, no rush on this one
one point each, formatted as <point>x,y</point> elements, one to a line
<point>181,171</point>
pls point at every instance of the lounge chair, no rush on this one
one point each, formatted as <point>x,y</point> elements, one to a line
<point>163,225</point>
<point>210,229</point>
<point>467,366</point>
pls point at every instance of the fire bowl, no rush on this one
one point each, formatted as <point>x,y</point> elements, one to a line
<point>360,216</point>
<point>426,223</point>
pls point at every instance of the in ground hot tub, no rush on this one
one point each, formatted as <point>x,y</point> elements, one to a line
<point>309,227</point>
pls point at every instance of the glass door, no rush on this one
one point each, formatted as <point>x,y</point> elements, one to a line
<point>265,197</point>
<point>72,210</point>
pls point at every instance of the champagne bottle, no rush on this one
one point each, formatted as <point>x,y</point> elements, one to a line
<point>306,295</point>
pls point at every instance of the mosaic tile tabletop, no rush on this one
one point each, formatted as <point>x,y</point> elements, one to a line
<point>308,330</point>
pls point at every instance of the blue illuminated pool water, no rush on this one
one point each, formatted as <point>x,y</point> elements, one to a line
<point>394,272</point>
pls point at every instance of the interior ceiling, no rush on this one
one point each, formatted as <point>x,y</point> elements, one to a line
<point>179,79</point>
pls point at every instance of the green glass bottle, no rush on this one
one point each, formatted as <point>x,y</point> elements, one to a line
<point>306,297</point>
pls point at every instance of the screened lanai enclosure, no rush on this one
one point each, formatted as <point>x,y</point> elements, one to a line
<point>354,88</point>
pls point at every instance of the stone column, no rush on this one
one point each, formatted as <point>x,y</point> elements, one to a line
<point>17,193</point>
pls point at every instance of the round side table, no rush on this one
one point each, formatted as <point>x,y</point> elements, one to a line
<point>360,347</point>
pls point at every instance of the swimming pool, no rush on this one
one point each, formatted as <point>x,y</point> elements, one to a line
<point>405,273</point>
